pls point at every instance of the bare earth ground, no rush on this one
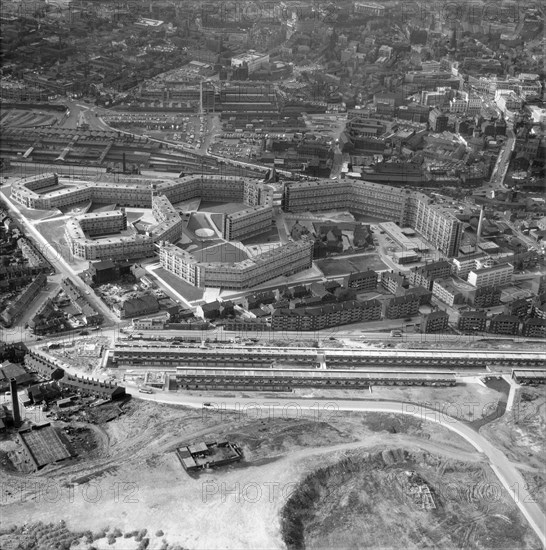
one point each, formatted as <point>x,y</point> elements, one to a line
<point>365,501</point>
<point>131,480</point>
<point>520,434</point>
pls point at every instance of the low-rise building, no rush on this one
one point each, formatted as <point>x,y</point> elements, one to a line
<point>134,306</point>
<point>88,312</point>
<point>23,300</point>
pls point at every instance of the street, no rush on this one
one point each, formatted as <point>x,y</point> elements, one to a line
<point>60,264</point>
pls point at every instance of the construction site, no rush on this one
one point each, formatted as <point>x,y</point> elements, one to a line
<point>81,438</point>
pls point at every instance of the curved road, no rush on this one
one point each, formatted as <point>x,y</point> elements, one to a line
<point>504,469</point>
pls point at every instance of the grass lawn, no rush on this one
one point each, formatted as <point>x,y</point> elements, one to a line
<point>333,268</point>
<point>198,221</point>
<point>368,262</point>
<point>217,219</point>
<point>53,231</point>
<point>270,236</point>
<point>218,207</point>
<point>190,292</point>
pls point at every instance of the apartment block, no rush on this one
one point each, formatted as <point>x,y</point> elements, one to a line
<point>534,328</point>
<point>426,274</point>
<point>491,276</point>
<point>437,321</point>
<point>487,296</point>
<point>519,308</point>
<point>363,280</point>
<point>504,324</point>
<point>393,282</point>
<point>421,292</point>
<point>138,191</point>
<point>463,265</point>
<point>437,120</point>
<point>330,315</point>
<point>470,321</point>
<point>357,196</point>
<point>437,224</point>
<point>234,273</point>
<point>402,306</point>
<point>247,223</point>
<point>446,291</point>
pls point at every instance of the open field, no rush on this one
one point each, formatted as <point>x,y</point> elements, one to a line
<point>131,480</point>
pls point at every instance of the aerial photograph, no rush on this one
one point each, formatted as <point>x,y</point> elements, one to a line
<point>272,275</point>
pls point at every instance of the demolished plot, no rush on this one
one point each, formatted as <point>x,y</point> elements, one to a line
<point>42,445</point>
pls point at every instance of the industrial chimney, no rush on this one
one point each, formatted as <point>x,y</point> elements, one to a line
<point>15,403</point>
<point>480,224</point>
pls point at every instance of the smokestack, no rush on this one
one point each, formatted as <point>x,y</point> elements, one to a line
<point>15,403</point>
<point>480,223</point>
